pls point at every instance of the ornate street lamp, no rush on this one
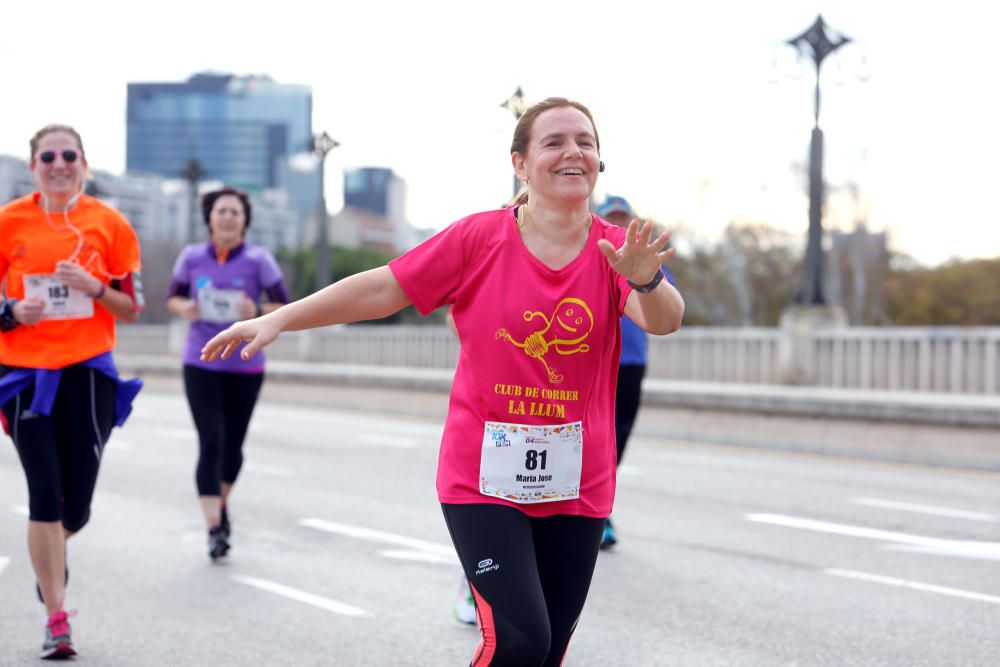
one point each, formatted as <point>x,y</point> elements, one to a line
<point>322,144</point>
<point>816,44</point>
<point>517,105</point>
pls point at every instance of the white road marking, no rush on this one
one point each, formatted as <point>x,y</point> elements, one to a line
<point>371,535</point>
<point>3,563</point>
<point>931,545</point>
<point>924,509</point>
<point>915,585</point>
<point>302,596</point>
<point>21,509</point>
<point>265,469</point>
<point>388,440</point>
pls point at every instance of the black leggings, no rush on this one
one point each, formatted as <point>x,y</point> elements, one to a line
<point>61,453</point>
<point>221,404</point>
<point>627,404</point>
<point>529,577</point>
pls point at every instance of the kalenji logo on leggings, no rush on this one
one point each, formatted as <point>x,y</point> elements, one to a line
<point>486,565</point>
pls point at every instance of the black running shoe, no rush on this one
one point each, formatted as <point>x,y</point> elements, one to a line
<point>38,589</point>
<point>218,545</point>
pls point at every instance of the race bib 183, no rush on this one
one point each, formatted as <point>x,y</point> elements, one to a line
<point>61,301</point>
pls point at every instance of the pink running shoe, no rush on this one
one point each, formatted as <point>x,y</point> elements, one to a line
<point>58,644</point>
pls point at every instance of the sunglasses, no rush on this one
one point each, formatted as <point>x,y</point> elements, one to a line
<point>48,157</point>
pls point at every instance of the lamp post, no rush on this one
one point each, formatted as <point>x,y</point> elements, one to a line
<point>816,44</point>
<point>322,144</point>
<point>193,172</point>
<point>517,105</point>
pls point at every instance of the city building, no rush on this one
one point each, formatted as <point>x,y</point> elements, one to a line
<point>240,130</point>
<point>15,178</point>
<point>375,201</point>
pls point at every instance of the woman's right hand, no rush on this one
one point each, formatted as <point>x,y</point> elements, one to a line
<point>28,311</point>
<point>258,332</point>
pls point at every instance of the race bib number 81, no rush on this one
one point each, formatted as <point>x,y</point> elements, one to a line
<point>531,464</point>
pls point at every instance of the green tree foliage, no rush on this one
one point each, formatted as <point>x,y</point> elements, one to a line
<point>746,279</point>
<point>959,293</point>
<point>299,267</point>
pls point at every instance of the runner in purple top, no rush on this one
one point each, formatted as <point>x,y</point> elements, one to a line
<point>215,284</point>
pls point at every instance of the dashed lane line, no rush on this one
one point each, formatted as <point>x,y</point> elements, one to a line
<point>924,509</point>
<point>301,596</point>
<point>932,545</point>
<point>362,533</point>
<point>914,585</point>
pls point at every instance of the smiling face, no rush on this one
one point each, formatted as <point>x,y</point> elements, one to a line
<point>573,320</point>
<point>61,178</point>
<point>227,221</point>
<point>561,161</point>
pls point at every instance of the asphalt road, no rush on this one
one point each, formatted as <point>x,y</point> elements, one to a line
<point>340,555</point>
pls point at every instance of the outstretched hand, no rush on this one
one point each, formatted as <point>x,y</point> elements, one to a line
<point>258,333</point>
<point>639,258</point>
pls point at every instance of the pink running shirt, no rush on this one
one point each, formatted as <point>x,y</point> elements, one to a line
<point>538,347</point>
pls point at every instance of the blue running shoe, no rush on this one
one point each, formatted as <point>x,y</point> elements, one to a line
<point>609,539</point>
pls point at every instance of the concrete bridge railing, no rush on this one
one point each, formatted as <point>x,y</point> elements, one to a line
<point>926,359</point>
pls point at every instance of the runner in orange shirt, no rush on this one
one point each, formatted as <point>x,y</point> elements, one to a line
<point>71,266</point>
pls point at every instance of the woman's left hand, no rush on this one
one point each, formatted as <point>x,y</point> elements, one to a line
<point>76,277</point>
<point>639,258</point>
<point>257,333</point>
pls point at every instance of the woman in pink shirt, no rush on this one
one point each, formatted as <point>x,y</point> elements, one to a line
<point>526,473</point>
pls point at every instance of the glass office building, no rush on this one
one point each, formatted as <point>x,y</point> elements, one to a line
<point>241,129</point>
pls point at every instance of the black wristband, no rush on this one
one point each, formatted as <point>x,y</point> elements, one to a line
<point>648,287</point>
<point>7,320</point>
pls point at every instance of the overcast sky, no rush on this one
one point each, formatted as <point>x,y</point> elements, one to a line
<point>697,125</point>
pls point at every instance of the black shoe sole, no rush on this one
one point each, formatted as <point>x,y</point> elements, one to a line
<point>216,554</point>
<point>60,652</point>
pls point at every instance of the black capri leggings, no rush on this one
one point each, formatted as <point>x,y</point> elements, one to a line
<point>61,453</point>
<point>529,578</point>
<point>627,396</point>
<point>221,404</point>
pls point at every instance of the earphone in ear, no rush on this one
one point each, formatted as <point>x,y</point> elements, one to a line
<point>601,167</point>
